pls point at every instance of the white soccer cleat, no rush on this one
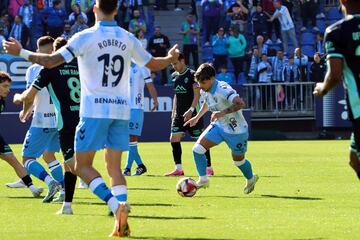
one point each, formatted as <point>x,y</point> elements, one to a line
<point>18,184</point>
<point>36,192</point>
<point>82,184</point>
<point>202,183</point>
<point>250,184</point>
<point>60,198</point>
<point>65,211</point>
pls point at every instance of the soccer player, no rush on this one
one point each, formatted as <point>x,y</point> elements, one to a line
<point>186,99</point>
<point>227,124</point>
<point>342,45</point>
<point>42,137</point>
<point>104,105</point>
<point>139,77</point>
<point>5,151</point>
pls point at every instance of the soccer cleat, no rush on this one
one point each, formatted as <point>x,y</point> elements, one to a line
<point>121,227</point>
<point>18,184</point>
<point>36,192</point>
<point>65,211</point>
<point>140,170</point>
<point>175,172</point>
<point>202,184</point>
<point>209,171</point>
<point>53,189</point>
<point>250,184</point>
<point>60,198</point>
<point>127,172</point>
<point>82,184</point>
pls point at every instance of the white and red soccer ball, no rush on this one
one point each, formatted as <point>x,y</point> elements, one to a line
<point>186,187</point>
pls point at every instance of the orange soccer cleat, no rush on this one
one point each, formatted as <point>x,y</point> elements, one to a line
<point>121,226</point>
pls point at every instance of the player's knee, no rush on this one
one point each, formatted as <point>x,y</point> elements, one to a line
<point>199,149</point>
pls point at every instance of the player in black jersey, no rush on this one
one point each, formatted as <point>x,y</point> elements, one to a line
<point>342,44</point>
<point>5,150</point>
<point>186,99</point>
<point>63,85</point>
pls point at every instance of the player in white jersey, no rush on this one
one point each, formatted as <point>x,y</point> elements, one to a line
<point>104,54</point>
<point>139,77</point>
<point>227,124</point>
<point>42,138</point>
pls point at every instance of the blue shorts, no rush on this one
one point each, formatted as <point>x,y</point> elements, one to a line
<point>236,142</point>
<point>136,122</point>
<point>39,140</point>
<point>93,134</point>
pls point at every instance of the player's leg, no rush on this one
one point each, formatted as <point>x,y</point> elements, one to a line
<point>354,159</point>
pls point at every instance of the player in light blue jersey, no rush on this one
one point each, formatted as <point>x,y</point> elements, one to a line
<point>139,77</point>
<point>42,138</point>
<point>227,125</point>
<point>104,54</point>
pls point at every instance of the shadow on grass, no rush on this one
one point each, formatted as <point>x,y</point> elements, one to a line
<point>153,204</point>
<point>220,176</point>
<point>292,198</point>
<point>89,203</point>
<point>23,197</point>
<point>219,197</point>
<point>309,238</point>
<point>179,238</point>
<point>167,218</point>
<point>147,189</point>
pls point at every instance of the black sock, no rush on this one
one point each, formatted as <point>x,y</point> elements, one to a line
<point>208,158</point>
<point>358,175</point>
<point>27,180</point>
<point>70,182</point>
<point>176,150</point>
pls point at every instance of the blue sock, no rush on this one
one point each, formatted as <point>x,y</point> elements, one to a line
<point>201,163</point>
<point>245,167</point>
<point>120,192</point>
<point>130,158</point>
<point>136,155</point>
<point>34,168</point>
<point>99,188</point>
<point>56,172</point>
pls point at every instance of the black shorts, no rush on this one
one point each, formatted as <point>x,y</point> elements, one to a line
<point>177,126</point>
<point>67,137</point>
<point>4,147</point>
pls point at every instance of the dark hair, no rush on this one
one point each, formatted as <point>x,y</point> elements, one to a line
<point>45,40</point>
<point>138,32</point>
<point>205,72</point>
<point>181,56</point>
<point>4,77</point>
<point>56,2</point>
<point>107,6</point>
<point>59,42</point>
<point>19,16</point>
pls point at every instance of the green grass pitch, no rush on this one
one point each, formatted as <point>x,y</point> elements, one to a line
<point>306,190</point>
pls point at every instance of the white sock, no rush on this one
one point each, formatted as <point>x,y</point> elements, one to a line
<point>66,204</point>
<point>48,180</point>
<point>113,204</point>
<point>203,178</point>
<point>178,167</point>
<point>33,188</point>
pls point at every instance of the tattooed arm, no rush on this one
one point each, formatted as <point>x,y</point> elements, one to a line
<point>237,104</point>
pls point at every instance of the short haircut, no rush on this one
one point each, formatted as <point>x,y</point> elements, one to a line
<point>56,2</point>
<point>4,77</point>
<point>59,42</point>
<point>107,6</point>
<point>44,40</point>
<point>205,72</point>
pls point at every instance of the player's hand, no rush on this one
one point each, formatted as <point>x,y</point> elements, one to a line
<point>319,90</point>
<point>12,46</point>
<point>192,122</point>
<point>17,100</point>
<point>216,115</point>
<point>187,115</point>
<point>174,53</point>
<point>155,106</point>
<point>24,117</point>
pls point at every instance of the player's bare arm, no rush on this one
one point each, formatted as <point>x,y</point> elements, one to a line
<point>159,63</point>
<point>193,121</point>
<point>27,98</point>
<point>188,114</point>
<point>173,113</point>
<point>153,93</point>
<point>332,77</point>
<point>47,60</point>
<point>237,104</point>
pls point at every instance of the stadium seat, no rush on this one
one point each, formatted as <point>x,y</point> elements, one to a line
<point>334,14</point>
<point>308,50</point>
<point>320,23</point>
<point>207,53</point>
<point>307,38</point>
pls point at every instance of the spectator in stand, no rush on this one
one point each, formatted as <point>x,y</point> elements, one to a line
<point>137,23</point>
<point>225,76</point>
<point>264,70</point>
<point>20,31</point>
<point>301,61</point>
<point>239,15</point>
<point>253,65</point>
<point>259,21</point>
<point>287,24</point>
<point>13,7</point>
<point>211,18</point>
<point>158,46</point>
<point>291,72</point>
<point>2,38</point>
<point>124,14</point>
<point>176,6</point>
<point>261,46</point>
<point>79,25</point>
<point>5,23</point>
<point>308,9</point>
<point>319,43</point>
<point>86,6</point>
<point>236,49</point>
<point>67,31</point>
<point>161,5</point>
<point>54,19</point>
<point>76,11</point>
<point>190,31</point>
<point>269,9</point>
<point>317,69</point>
<point>139,34</point>
<point>27,13</point>
<point>278,63</point>
<point>219,48</point>
<point>289,5</point>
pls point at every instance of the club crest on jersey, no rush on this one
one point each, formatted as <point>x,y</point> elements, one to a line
<point>180,89</point>
<point>186,80</point>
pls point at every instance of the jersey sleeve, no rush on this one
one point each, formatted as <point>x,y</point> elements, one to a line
<point>41,80</point>
<point>27,78</point>
<point>147,75</point>
<point>227,92</point>
<point>333,46</point>
<point>138,54</point>
<point>73,48</point>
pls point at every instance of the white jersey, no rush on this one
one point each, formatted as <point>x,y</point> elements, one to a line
<point>139,76</point>
<point>219,98</point>
<point>44,112</point>
<point>104,53</point>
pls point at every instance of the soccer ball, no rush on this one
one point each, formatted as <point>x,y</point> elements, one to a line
<point>186,187</point>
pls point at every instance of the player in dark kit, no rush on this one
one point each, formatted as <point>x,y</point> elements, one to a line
<point>342,44</point>
<point>63,85</point>
<point>186,99</point>
<point>5,151</point>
